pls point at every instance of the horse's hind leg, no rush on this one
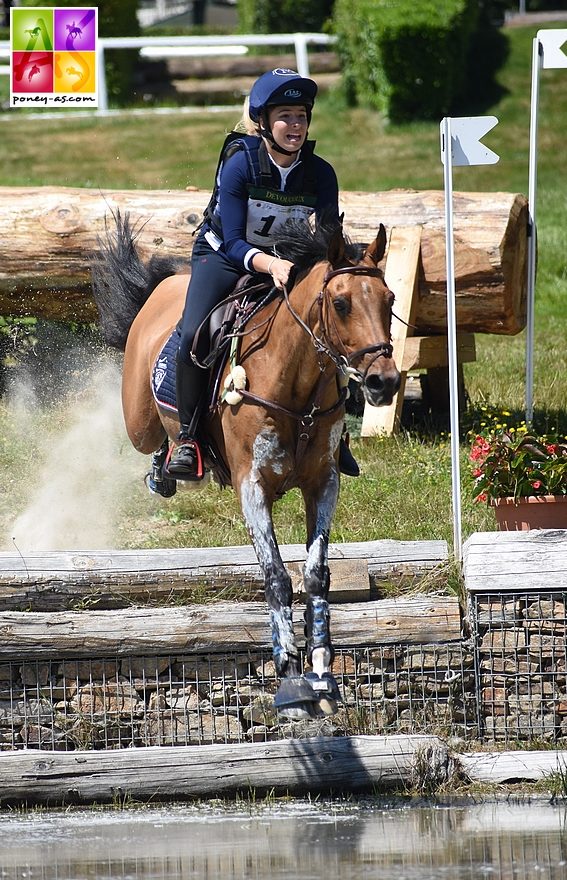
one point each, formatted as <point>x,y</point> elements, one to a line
<point>295,697</point>
<point>320,507</point>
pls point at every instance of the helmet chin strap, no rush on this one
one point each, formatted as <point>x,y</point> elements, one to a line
<point>269,137</point>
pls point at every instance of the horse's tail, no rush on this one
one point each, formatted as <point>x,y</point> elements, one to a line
<point>122,282</point>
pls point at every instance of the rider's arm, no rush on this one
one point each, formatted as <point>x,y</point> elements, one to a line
<point>233,204</point>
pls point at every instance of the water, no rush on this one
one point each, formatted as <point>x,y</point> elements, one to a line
<point>298,840</point>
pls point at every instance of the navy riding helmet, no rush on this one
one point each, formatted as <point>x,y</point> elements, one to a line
<point>281,86</point>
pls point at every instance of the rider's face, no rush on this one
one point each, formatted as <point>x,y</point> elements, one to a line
<point>289,126</point>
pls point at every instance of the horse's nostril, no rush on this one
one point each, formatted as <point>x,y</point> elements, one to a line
<point>374,382</point>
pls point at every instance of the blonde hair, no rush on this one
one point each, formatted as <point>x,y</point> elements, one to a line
<point>245,124</point>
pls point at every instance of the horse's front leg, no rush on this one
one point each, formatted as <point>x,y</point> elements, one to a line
<point>320,505</point>
<point>295,697</point>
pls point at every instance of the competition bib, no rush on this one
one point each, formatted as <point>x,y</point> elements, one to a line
<point>270,210</point>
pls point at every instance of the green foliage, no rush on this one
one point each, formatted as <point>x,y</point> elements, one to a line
<point>407,59</point>
<point>515,464</point>
<point>282,16</point>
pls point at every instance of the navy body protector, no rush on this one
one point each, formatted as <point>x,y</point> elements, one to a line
<point>261,173</point>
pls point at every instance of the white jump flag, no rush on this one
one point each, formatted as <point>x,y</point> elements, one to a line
<point>462,136</point>
<point>553,43</point>
<point>548,51</point>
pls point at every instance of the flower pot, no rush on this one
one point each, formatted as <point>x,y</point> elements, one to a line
<point>532,512</point>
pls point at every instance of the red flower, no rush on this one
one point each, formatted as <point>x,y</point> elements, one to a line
<point>552,448</point>
<point>537,484</point>
<point>482,496</point>
<point>477,472</point>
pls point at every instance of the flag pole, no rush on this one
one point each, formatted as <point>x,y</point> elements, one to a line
<point>452,341</point>
<point>537,50</point>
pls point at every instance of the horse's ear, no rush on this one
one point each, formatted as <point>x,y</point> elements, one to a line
<point>376,250</point>
<point>336,250</point>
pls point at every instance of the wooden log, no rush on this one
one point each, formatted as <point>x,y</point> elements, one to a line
<point>49,234</point>
<point>426,352</point>
<point>222,627</point>
<point>298,766</point>
<point>518,562</point>
<point>57,581</point>
<point>521,766</point>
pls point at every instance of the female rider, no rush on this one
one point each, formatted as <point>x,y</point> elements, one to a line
<point>265,177</point>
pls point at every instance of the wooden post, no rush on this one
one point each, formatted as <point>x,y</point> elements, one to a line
<point>402,272</point>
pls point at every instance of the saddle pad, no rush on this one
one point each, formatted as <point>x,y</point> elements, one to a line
<point>163,374</point>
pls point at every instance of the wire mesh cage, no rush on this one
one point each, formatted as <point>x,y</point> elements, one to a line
<point>126,702</point>
<point>520,664</point>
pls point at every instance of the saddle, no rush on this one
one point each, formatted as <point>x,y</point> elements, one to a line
<point>210,350</point>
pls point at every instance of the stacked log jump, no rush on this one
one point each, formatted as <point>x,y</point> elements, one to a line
<point>49,235</point>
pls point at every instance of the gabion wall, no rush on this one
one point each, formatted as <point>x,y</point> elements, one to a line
<point>520,663</point>
<point>507,683</point>
<point>191,700</point>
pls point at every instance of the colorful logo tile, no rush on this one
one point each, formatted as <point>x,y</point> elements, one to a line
<point>53,57</point>
<point>32,72</point>
<point>74,72</point>
<point>75,30</point>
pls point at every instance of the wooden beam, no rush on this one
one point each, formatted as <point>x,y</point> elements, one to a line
<point>516,562</point>
<point>50,236</point>
<point>61,580</point>
<point>221,627</point>
<point>402,272</point>
<point>297,766</point>
<point>520,766</point>
<point>425,352</point>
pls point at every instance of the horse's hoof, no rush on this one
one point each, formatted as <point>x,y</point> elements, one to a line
<point>294,692</point>
<point>324,686</point>
<point>300,712</point>
<point>326,707</point>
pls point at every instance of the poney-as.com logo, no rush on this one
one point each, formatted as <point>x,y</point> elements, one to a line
<point>53,57</point>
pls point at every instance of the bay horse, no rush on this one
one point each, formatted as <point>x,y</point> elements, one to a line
<point>283,427</point>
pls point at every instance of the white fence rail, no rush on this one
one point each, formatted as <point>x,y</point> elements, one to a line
<point>198,46</point>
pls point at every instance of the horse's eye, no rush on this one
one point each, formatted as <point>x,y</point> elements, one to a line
<point>342,306</point>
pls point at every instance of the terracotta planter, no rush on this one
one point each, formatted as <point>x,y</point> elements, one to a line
<point>532,512</point>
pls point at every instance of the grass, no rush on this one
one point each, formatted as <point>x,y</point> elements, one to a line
<point>405,490</point>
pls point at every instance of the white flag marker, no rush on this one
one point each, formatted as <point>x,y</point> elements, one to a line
<point>553,43</point>
<point>463,134</point>
<point>466,146</point>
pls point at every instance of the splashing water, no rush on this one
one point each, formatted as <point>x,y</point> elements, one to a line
<point>87,467</point>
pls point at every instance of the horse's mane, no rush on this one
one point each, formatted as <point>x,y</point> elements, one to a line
<point>305,244</point>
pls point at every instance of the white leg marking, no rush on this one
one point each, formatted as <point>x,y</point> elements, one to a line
<point>334,437</point>
<point>321,661</point>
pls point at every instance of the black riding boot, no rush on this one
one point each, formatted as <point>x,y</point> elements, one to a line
<point>185,460</point>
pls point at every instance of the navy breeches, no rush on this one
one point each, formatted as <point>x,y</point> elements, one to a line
<point>213,277</point>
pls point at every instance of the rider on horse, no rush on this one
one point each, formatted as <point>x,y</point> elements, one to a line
<point>266,176</point>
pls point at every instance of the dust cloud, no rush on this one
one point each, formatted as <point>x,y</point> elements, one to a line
<point>86,465</point>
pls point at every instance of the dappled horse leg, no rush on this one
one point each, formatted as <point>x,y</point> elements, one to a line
<point>320,508</point>
<point>295,697</point>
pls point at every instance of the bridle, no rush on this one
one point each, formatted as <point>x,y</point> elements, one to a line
<point>344,359</point>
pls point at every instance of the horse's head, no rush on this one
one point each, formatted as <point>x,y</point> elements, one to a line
<point>356,315</point>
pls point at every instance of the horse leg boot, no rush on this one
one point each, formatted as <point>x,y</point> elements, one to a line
<point>185,461</point>
<point>156,481</point>
<point>320,507</point>
<point>295,698</point>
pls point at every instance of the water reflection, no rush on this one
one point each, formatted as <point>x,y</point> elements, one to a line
<point>326,840</point>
